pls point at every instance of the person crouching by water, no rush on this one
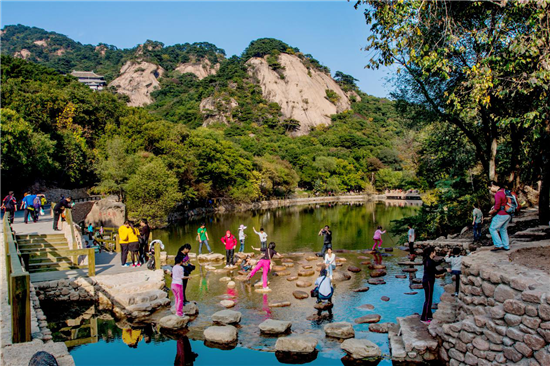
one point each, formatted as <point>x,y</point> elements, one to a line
<point>456,266</point>
<point>246,264</point>
<point>187,268</point>
<point>323,287</point>
<point>428,282</point>
<point>265,263</point>
<point>330,262</point>
<point>177,283</point>
<point>230,243</point>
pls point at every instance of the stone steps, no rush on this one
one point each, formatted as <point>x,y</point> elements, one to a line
<point>412,342</point>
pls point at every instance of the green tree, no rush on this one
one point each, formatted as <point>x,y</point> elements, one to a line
<point>115,167</point>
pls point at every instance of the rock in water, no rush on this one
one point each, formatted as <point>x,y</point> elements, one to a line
<point>376,281</point>
<point>173,322</point>
<point>279,304</point>
<point>362,289</point>
<point>354,269</point>
<point>341,330</point>
<point>400,276</point>
<point>340,276</point>
<point>279,268</point>
<point>296,344</point>
<point>271,326</point>
<point>409,270</point>
<point>226,334</point>
<point>227,303</point>
<point>306,273</point>
<point>411,293</point>
<point>366,307</point>
<point>307,266</point>
<point>227,317</point>
<point>225,279</point>
<point>385,298</point>
<point>231,284</point>
<point>292,278</point>
<point>190,308</point>
<point>365,263</point>
<point>361,349</point>
<point>303,284</point>
<point>371,318</point>
<point>416,286</point>
<point>378,273</point>
<point>379,266</point>
<point>300,295</point>
<point>382,327</point>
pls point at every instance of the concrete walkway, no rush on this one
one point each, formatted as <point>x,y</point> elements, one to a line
<point>43,226</point>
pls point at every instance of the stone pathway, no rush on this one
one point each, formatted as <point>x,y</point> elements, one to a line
<point>43,226</point>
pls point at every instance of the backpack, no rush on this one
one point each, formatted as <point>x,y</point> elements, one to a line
<point>8,203</point>
<point>511,206</point>
<point>36,202</point>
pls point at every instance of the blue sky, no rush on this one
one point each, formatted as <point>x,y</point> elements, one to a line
<point>333,32</point>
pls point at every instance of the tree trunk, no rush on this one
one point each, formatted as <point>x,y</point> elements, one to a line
<point>492,160</point>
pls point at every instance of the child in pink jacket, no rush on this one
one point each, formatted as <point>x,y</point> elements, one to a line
<point>378,238</point>
<point>230,243</point>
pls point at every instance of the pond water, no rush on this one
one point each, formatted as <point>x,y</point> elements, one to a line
<point>96,339</point>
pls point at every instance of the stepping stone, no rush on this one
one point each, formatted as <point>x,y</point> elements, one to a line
<point>379,266</point>
<point>341,260</point>
<point>410,263</point>
<point>231,284</point>
<point>173,322</point>
<point>359,349</point>
<point>385,298</point>
<point>296,344</point>
<point>376,281</point>
<point>227,317</point>
<point>227,303</point>
<point>300,295</point>
<point>241,278</point>
<point>226,334</point>
<point>279,268</point>
<point>362,289</point>
<point>416,286</point>
<point>282,273</point>
<point>306,273</point>
<point>292,278</point>
<point>371,318</point>
<point>362,257</point>
<point>271,326</point>
<point>323,306</point>
<point>260,284</point>
<point>287,260</point>
<point>303,284</point>
<point>225,279</point>
<point>409,270</point>
<point>365,263</point>
<point>417,280</point>
<point>388,249</point>
<point>340,276</point>
<point>382,327</point>
<point>367,307</point>
<point>263,290</point>
<point>354,269</point>
<point>307,266</point>
<point>340,330</point>
<point>279,304</point>
<point>400,276</point>
<point>288,264</point>
<point>242,273</point>
<point>378,273</point>
<point>411,293</point>
<point>311,258</point>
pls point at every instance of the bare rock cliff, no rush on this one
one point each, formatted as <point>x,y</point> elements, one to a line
<point>138,80</point>
<point>202,69</point>
<point>302,94</point>
<point>217,109</point>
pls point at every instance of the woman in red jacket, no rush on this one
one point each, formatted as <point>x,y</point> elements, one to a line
<point>230,243</point>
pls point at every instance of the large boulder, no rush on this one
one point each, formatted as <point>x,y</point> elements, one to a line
<point>271,326</point>
<point>226,334</point>
<point>361,349</point>
<point>107,212</point>
<point>340,330</point>
<point>227,317</point>
<point>173,322</point>
<point>296,344</point>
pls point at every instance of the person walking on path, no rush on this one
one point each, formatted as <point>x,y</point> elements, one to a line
<point>177,283</point>
<point>9,204</point>
<point>27,204</point>
<point>477,222</point>
<point>37,205</point>
<point>456,266</point>
<point>133,245</point>
<point>428,282</point>
<point>330,262</point>
<point>202,236</point>
<point>58,210</point>
<point>264,263</point>
<point>91,232</point>
<point>230,243</point>
<point>327,239</point>
<point>263,237</point>
<point>501,218</point>
<point>242,236</point>
<point>411,236</point>
<point>144,232</point>
<point>126,235</point>
<point>378,238</point>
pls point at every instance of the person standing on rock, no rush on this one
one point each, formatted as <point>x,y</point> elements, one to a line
<point>9,204</point>
<point>411,236</point>
<point>125,234</point>
<point>378,238</point>
<point>58,210</point>
<point>501,218</point>
<point>202,236</point>
<point>187,268</point>
<point>477,222</point>
<point>230,243</point>
<point>428,282</point>
<point>456,266</point>
<point>177,283</point>
<point>263,237</point>
<point>327,239</point>
<point>264,263</point>
<point>330,262</point>
<point>242,236</point>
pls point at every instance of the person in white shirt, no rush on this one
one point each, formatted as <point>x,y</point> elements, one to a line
<point>456,266</point>
<point>330,262</point>
<point>263,237</point>
<point>324,284</point>
<point>242,236</point>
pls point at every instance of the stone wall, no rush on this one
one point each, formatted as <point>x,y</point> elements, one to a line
<point>501,316</point>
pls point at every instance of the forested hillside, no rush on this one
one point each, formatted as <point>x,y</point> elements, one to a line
<point>60,133</point>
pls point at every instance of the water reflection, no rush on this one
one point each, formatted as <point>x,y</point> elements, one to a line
<point>184,355</point>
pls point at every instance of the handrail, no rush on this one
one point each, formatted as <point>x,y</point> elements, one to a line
<point>90,252</point>
<point>18,288</point>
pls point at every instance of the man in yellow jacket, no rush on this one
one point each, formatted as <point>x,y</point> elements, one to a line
<point>126,234</point>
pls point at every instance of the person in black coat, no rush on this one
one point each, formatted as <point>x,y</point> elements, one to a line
<point>428,282</point>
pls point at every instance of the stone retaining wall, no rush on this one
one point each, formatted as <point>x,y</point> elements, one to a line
<point>501,316</point>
